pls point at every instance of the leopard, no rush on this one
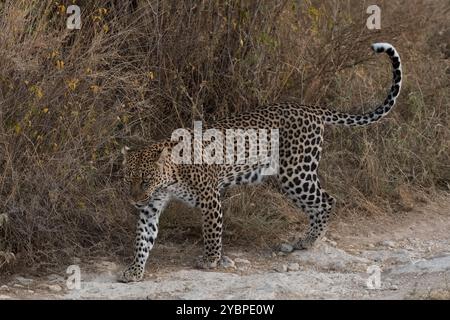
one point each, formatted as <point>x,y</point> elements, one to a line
<point>153,178</point>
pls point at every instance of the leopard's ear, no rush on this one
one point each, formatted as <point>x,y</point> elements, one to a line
<point>124,151</point>
<point>164,155</point>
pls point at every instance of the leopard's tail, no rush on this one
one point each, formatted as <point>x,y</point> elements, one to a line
<point>338,118</point>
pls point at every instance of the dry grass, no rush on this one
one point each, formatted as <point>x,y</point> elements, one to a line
<point>133,73</point>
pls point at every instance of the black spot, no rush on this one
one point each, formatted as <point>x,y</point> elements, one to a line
<point>305,187</point>
<point>396,64</point>
<point>395,89</point>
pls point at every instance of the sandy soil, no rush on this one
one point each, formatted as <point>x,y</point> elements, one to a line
<point>411,251</point>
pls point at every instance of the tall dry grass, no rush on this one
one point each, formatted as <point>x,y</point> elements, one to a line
<point>69,99</point>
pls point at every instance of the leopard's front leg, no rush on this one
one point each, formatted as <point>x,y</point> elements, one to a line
<point>147,230</point>
<point>212,230</point>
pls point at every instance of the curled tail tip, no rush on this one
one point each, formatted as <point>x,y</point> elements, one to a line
<point>384,47</point>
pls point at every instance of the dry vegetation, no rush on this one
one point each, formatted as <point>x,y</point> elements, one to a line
<point>139,69</point>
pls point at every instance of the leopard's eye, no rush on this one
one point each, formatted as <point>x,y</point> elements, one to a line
<point>144,183</point>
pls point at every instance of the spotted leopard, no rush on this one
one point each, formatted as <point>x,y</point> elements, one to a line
<point>154,179</point>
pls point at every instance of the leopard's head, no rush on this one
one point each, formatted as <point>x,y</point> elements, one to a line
<point>145,172</point>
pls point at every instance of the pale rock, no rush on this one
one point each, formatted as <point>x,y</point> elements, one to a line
<point>24,281</point>
<point>243,261</point>
<point>54,288</point>
<point>293,267</point>
<point>282,268</point>
<point>286,248</point>
<point>4,288</point>
<point>227,262</point>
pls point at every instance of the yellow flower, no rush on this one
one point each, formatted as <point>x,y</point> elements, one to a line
<point>37,91</point>
<point>45,110</point>
<point>62,9</point>
<point>95,88</point>
<point>105,28</point>
<point>88,70</point>
<point>151,75</point>
<point>17,128</point>
<point>59,64</point>
<point>102,11</point>
<point>54,53</point>
<point>72,84</point>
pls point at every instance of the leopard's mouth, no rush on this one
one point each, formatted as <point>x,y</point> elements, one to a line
<point>139,203</point>
<point>142,203</point>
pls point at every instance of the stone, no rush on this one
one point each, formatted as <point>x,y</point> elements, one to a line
<point>4,288</point>
<point>54,288</point>
<point>240,260</point>
<point>282,268</point>
<point>293,267</point>
<point>393,287</point>
<point>24,281</point>
<point>286,248</point>
<point>388,243</point>
<point>227,262</point>
<point>55,278</point>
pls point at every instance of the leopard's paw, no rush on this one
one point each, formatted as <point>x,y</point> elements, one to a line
<point>208,263</point>
<point>132,274</point>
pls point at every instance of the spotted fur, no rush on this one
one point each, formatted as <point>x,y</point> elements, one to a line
<point>154,179</point>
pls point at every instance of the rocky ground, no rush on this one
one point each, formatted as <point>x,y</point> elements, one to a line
<point>410,253</point>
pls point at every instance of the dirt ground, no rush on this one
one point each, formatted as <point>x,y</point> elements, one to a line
<point>410,253</point>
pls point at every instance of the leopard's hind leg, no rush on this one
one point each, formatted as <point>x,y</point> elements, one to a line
<point>299,163</point>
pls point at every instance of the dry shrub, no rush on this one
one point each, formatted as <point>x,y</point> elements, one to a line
<point>137,70</point>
